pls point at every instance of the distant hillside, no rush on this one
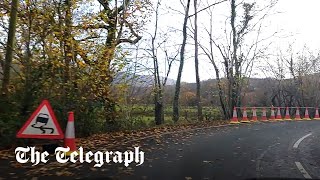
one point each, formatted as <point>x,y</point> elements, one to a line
<point>138,80</point>
<point>256,91</point>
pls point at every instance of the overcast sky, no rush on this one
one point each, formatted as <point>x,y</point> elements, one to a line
<point>297,20</point>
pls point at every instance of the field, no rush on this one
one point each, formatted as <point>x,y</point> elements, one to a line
<point>138,116</point>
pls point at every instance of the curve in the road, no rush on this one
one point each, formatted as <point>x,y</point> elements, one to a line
<point>257,150</point>
<point>298,164</point>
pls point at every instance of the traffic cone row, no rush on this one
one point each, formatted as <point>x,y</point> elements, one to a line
<point>273,117</point>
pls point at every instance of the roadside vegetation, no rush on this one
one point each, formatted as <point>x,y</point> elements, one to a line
<point>110,61</point>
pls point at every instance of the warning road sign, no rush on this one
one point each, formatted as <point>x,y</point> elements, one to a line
<point>42,124</point>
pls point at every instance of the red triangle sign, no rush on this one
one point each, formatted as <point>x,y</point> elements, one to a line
<point>42,124</point>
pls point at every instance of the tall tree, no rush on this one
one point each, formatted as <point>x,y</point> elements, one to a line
<point>196,61</point>
<point>116,19</point>
<point>159,81</point>
<point>182,53</point>
<point>27,61</point>
<point>209,52</point>
<point>238,53</point>
<point>158,101</point>
<point>68,52</point>
<point>9,47</point>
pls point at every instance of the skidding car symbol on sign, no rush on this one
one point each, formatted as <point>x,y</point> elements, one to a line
<point>42,124</point>
<point>42,119</point>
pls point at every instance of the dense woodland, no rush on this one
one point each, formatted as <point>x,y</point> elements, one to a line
<point>110,61</point>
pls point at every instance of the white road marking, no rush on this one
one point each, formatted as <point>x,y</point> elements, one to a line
<point>296,145</point>
<point>303,171</point>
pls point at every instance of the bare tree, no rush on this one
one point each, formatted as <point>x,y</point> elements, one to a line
<point>238,56</point>
<point>209,52</point>
<point>158,106</point>
<point>182,51</point>
<point>162,58</point>
<point>301,88</point>
<point>196,61</point>
<point>159,84</point>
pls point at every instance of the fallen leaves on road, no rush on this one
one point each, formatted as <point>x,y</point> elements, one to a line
<point>125,137</point>
<point>153,139</point>
<point>64,173</point>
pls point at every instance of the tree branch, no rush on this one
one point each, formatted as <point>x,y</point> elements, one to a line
<point>122,40</point>
<point>207,7</point>
<point>105,4</point>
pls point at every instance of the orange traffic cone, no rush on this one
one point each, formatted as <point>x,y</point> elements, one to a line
<point>234,119</point>
<point>254,115</point>
<point>264,115</point>
<point>272,116</point>
<point>316,116</point>
<point>279,117</point>
<point>69,140</point>
<point>287,117</point>
<point>245,116</point>
<point>306,114</point>
<point>298,117</point>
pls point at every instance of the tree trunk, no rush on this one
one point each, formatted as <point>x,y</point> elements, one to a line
<point>177,90</point>
<point>210,55</point>
<point>68,54</point>
<point>158,102</point>
<point>196,62</point>
<point>234,61</point>
<point>116,20</point>
<point>28,96</point>
<point>158,113</point>
<point>105,63</point>
<point>68,57</point>
<point>9,47</point>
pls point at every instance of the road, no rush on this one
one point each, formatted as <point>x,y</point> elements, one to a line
<point>256,150</point>
<point>286,149</point>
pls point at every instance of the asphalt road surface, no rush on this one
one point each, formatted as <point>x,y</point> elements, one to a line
<point>286,149</point>
<point>257,150</point>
